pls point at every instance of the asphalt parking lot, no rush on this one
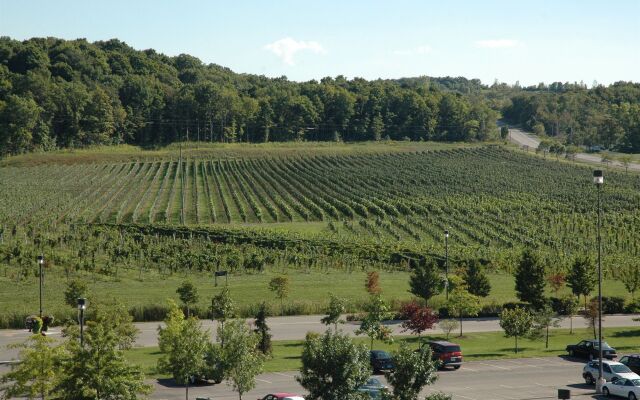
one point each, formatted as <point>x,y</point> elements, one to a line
<point>516,379</point>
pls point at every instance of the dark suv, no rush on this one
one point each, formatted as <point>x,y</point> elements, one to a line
<point>632,361</point>
<point>381,361</point>
<point>449,354</point>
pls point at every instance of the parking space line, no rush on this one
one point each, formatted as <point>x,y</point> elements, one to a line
<point>262,380</point>
<point>495,366</point>
<point>464,397</point>
<point>281,374</point>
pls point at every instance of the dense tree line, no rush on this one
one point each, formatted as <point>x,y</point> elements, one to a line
<point>56,93</point>
<point>604,116</point>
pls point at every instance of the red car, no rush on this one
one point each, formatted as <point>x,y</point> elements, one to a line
<point>282,396</point>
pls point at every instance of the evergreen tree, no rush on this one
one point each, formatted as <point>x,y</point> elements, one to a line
<point>530,279</point>
<point>264,337</point>
<point>426,280</point>
<point>476,279</point>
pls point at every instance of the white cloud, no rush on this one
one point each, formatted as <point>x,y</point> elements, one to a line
<point>420,50</point>
<point>497,43</point>
<point>287,47</point>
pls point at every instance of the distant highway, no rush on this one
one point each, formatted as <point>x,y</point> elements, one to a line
<point>522,138</point>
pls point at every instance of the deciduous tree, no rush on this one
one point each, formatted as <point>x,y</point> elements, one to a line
<point>413,371</point>
<point>333,367</point>
<point>516,322</point>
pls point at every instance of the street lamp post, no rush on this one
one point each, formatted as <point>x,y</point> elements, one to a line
<point>598,180</point>
<point>82,305</point>
<point>446,264</point>
<point>40,264</point>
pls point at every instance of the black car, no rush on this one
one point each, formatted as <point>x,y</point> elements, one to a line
<point>589,349</point>
<point>449,354</point>
<point>632,361</point>
<point>381,361</point>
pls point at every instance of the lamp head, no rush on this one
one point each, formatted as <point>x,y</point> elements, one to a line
<point>446,233</point>
<point>598,178</point>
<point>82,303</point>
<point>40,259</point>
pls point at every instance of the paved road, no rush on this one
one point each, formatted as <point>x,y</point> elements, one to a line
<point>522,138</point>
<point>517,379</point>
<point>514,379</point>
<point>295,328</point>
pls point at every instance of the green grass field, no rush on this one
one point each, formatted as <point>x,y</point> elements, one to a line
<point>475,346</point>
<point>309,291</point>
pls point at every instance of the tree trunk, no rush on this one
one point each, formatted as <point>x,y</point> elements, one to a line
<point>516,345</point>
<point>571,324</point>
<point>460,324</point>
<point>187,390</point>
<point>546,343</point>
<point>371,343</point>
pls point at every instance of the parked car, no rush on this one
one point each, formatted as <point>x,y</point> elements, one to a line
<point>589,349</point>
<point>381,361</point>
<point>611,371</point>
<point>449,354</point>
<point>373,388</point>
<point>282,396</point>
<point>632,361</point>
<point>629,388</point>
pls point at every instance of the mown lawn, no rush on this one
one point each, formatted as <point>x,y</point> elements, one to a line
<point>309,290</point>
<point>475,346</point>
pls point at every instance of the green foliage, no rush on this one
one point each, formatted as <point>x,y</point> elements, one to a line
<point>99,369</point>
<point>37,374</point>
<point>335,309</point>
<point>262,329</point>
<point>79,93</point>
<point>516,322</point>
<point>372,324</point>
<point>76,288</point>
<point>426,280</point>
<point>242,362</point>
<point>504,132</point>
<point>188,294</point>
<point>222,306</point>
<point>476,279</point>
<point>413,371</point>
<point>629,274</point>
<point>543,319</point>
<point>530,279</point>
<point>280,286</point>
<point>333,367</point>
<point>183,343</point>
<point>463,304</point>
<point>582,277</point>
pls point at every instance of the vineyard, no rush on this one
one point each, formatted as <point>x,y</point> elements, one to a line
<point>152,219</point>
<point>486,196</point>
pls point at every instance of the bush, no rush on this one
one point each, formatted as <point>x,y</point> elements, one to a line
<point>443,312</point>
<point>491,310</point>
<point>513,304</point>
<point>612,305</point>
<point>633,307</point>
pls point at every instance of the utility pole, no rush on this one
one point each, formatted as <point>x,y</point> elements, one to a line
<point>181,186</point>
<point>446,264</point>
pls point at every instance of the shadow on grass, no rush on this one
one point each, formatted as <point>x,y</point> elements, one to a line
<point>171,383</point>
<point>622,334</point>
<point>292,357</point>
<point>300,344</point>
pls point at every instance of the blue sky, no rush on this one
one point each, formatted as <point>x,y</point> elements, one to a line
<point>532,41</point>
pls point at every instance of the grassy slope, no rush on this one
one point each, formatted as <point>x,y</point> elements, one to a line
<point>475,346</point>
<point>310,290</point>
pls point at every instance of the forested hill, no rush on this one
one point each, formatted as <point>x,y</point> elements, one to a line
<point>59,93</point>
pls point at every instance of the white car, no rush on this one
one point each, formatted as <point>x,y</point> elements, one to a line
<point>629,388</point>
<point>611,371</point>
